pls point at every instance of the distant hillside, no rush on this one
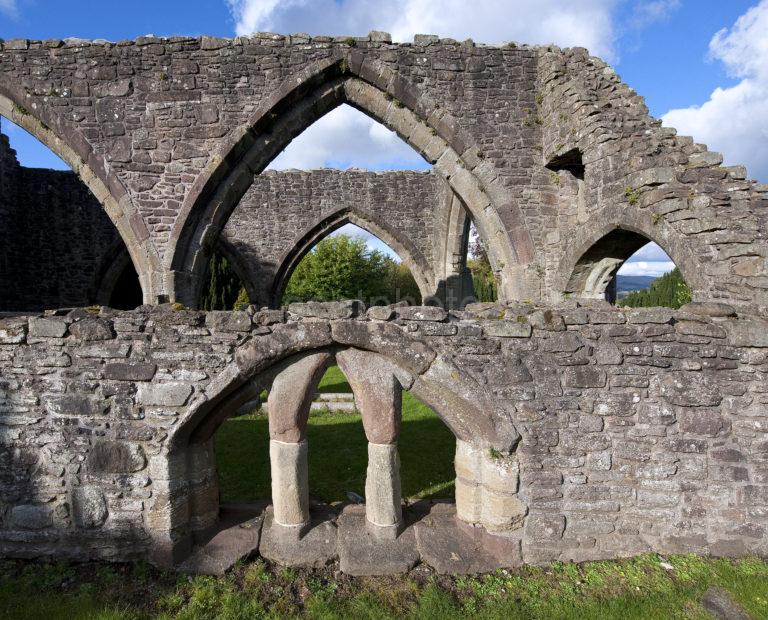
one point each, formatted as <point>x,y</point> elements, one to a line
<point>627,284</point>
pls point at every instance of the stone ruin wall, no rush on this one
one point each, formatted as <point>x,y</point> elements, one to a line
<point>640,429</point>
<point>57,240</point>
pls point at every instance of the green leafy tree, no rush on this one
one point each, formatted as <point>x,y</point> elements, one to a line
<point>340,267</point>
<point>224,287</point>
<point>400,283</point>
<point>670,290</point>
<point>483,278</point>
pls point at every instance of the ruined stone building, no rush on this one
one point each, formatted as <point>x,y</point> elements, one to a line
<point>583,430</point>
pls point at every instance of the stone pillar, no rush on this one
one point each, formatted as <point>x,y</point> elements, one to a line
<point>382,486</point>
<point>378,396</point>
<point>288,408</point>
<point>468,486</point>
<point>290,482</point>
<point>486,488</point>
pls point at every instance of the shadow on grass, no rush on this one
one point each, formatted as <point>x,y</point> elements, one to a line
<point>338,456</point>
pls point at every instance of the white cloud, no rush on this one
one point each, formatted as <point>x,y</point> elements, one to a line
<point>9,7</point>
<point>650,260</point>
<point>587,23</point>
<point>344,138</point>
<point>646,268</point>
<point>734,120</point>
<point>647,13</point>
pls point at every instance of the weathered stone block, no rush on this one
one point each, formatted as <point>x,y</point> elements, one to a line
<point>421,313</point>
<point>13,331</point>
<point>584,377</point>
<point>748,333</point>
<point>47,328</point>
<point>506,329</point>
<point>89,508</point>
<point>226,321</point>
<point>170,394</point>
<point>30,517</point>
<point>91,329</point>
<point>115,457</point>
<point>132,371</point>
<point>690,390</point>
<point>330,310</point>
<point>75,405</point>
<point>544,527</point>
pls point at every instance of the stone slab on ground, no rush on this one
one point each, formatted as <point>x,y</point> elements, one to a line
<point>720,604</point>
<point>236,535</point>
<point>314,548</point>
<point>361,553</point>
<point>452,547</point>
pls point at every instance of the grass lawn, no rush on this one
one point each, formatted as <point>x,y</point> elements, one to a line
<point>640,588</point>
<point>338,452</point>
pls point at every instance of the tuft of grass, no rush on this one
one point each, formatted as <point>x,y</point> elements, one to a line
<point>632,195</point>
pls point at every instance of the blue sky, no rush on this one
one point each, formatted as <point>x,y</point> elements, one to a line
<point>668,50</point>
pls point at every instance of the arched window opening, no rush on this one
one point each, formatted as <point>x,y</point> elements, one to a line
<point>347,138</point>
<point>337,449</point>
<point>649,278</point>
<point>627,268</point>
<point>57,239</point>
<point>351,263</point>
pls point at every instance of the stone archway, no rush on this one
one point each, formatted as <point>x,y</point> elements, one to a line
<point>485,434</point>
<point>379,93</point>
<point>94,173</point>
<point>410,255</point>
<point>587,268</point>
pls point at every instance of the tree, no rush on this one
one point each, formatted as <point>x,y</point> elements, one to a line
<point>340,267</point>
<point>483,278</point>
<point>223,287</point>
<point>400,284</point>
<point>670,290</point>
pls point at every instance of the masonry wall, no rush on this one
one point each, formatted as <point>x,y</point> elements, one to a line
<point>155,119</point>
<point>56,238</point>
<point>283,213</point>
<point>640,429</point>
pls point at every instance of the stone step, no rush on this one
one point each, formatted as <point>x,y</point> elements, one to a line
<point>339,397</point>
<point>431,533</point>
<point>332,406</point>
<point>236,535</point>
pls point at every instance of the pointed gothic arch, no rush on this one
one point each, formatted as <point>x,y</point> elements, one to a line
<point>587,269</point>
<point>375,90</point>
<point>77,153</point>
<point>409,254</point>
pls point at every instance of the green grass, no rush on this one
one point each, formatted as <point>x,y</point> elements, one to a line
<point>338,452</point>
<point>639,588</point>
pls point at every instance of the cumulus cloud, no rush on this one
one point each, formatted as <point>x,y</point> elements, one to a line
<point>587,23</point>
<point>734,120</point>
<point>646,268</point>
<point>9,7</point>
<point>345,138</point>
<point>650,260</point>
